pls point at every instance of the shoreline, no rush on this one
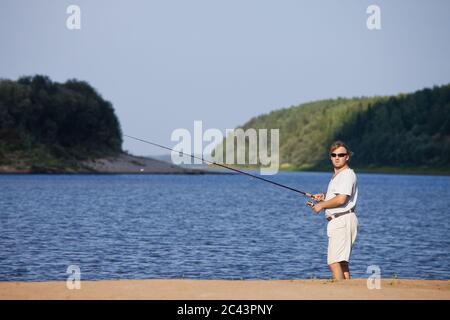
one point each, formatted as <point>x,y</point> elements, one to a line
<point>121,164</point>
<point>187,171</point>
<point>386,170</point>
<point>185,289</point>
<point>129,164</point>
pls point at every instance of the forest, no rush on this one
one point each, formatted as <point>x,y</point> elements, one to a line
<point>50,124</point>
<point>45,123</point>
<point>406,132</point>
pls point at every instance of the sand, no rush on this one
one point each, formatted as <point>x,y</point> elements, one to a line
<point>175,289</point>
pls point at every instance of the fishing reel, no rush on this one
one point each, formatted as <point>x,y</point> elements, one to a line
<point>311,203</point>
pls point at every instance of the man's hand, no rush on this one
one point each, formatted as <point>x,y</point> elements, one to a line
<point>317,208</point>
<point>316,197</point>
<point>319,197</point>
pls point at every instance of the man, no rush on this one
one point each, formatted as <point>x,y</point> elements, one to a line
<point>339,204</point>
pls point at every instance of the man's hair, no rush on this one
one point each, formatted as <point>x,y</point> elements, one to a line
<point>338,144</point>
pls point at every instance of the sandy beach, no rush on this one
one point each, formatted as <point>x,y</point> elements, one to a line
<point>175,289</point>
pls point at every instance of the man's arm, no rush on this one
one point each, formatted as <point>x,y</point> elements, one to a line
<point>337,201</point>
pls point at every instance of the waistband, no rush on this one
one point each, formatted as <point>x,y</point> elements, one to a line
<point>337,215</point>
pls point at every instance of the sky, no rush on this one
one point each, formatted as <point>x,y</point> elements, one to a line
<point>165,64</point>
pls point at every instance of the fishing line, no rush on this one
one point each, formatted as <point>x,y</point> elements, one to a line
<point>221,165</point>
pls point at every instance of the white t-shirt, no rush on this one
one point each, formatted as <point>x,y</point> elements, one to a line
<point>343,183</point>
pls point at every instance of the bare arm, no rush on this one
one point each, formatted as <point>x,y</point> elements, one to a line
<point>337,201</point>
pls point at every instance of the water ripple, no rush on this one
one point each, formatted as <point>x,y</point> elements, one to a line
<point>222,227</point>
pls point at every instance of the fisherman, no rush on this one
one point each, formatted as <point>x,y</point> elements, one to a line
<point>339,204</point>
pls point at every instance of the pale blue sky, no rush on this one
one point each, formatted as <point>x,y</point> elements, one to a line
<point>164,64</point>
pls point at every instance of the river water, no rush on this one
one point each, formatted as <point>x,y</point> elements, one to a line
<point>214,227</point>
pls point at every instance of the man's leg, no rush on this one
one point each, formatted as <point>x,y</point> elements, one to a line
<point>345,269</point>
<point>336,271</point>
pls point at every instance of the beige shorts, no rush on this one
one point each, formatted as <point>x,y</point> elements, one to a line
<point>341,237</point>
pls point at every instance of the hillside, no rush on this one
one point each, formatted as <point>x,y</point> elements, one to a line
<point>403,133</point>
<point>47,126</point>
<point>50,127</point>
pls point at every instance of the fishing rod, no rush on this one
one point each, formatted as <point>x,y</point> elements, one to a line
<point>226,167</point>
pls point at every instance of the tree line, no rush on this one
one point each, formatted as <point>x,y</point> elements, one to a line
<point>402,131</point>
<point>55,120</point>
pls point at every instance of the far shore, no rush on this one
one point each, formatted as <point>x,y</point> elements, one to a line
<point>176,289</point>
<point>125,163</point>
<point>121,164</point>
<point>380,170</point>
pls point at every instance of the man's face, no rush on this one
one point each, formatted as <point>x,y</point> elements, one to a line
<point>339,157</point>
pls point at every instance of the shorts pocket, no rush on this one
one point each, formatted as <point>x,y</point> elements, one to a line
<point>335,225</point>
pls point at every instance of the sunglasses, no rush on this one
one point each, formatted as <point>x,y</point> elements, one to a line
<point>340,155</point>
